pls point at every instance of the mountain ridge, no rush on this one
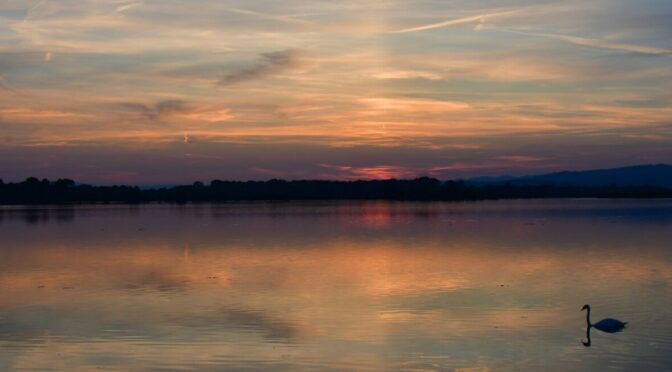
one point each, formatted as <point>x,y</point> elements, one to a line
<point>659,175</point>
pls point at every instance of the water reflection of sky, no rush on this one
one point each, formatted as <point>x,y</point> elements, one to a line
<point>494,285</point>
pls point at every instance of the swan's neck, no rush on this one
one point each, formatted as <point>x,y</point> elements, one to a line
<point>588,318</point>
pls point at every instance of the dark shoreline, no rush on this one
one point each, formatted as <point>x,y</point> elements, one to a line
<point>34,191</point>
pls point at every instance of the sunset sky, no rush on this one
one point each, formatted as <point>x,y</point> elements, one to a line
<point>168,91</point>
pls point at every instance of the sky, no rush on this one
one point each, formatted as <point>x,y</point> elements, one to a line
<point>168,91</point>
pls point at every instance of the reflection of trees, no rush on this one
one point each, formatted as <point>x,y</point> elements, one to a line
<point>35,216</point>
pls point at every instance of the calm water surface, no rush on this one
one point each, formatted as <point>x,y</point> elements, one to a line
<point>487,286</point>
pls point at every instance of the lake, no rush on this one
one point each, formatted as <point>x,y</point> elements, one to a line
<point>478,286</point>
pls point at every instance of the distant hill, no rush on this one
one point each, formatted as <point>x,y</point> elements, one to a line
<point>659,175</point>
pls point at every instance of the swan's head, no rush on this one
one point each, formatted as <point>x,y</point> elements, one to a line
<point>585,307</point>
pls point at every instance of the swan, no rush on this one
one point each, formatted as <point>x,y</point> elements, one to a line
<point>605,325</point>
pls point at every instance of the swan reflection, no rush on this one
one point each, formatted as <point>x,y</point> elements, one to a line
<point>607,325</point>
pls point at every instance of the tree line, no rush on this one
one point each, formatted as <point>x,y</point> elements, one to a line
<point>63,191</point>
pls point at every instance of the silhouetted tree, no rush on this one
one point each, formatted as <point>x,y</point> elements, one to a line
<point>34,191</point>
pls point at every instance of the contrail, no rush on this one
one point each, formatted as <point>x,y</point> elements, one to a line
<point>596,43</point>
<point>125,7</point>
<point>32,9</point>
<point>6,86</point>
<point>273,17</point>
<point>454,22</point>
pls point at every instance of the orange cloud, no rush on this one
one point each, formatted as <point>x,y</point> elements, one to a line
<point>380,172</point>
<point>27,114</point>
<point>412,106</point>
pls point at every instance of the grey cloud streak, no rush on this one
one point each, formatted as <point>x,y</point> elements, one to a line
<point>271,64</point>
<point>158,110</point>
